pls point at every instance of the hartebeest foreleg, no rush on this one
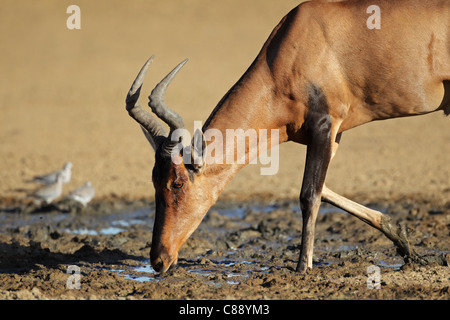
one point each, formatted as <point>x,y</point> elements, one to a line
<point>321,130</point>
<point>317,160</point>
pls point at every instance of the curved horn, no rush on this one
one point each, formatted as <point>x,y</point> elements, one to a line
<point>156,131</point>
<point>156,101</point>
<point>158,106</point>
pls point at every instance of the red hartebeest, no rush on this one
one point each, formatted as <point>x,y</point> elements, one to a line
<point>321,72</point>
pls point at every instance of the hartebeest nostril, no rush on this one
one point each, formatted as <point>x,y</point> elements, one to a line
<point>160,259</point>
<point>158,266</point>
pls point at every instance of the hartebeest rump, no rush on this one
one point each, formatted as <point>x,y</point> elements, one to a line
<point>321,72</point>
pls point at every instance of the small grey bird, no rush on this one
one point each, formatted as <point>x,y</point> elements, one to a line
<point>50,178</point>
<point>83,194</point>
<point>49,192</point>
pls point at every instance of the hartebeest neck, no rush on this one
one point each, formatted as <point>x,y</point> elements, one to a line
<point>271,95</point>
<point>249,112</point>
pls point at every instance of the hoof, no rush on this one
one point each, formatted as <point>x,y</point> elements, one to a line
<point>398,235</point>
<point>439,259</point>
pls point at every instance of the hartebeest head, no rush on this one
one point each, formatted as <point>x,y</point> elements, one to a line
<point>177,184</point>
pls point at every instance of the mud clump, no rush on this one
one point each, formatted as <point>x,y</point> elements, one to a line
<point>248,251</point>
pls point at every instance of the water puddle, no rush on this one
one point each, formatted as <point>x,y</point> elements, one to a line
<point>143,273</point>
<point>220,273</point>
<point>115,224</point>
<point>230,272</point>
<point>103,231</point>
<point>240,211</point>
<point>391,265</point>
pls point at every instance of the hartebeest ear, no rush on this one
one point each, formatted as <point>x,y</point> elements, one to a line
<point>198,150</point>
<point>150,139</point>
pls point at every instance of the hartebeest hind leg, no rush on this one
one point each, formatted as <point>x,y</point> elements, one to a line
<point>376,219</point>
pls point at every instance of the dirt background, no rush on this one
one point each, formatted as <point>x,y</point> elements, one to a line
<point>62,98</point>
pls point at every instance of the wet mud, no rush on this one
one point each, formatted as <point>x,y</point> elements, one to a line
<point>242,250</point>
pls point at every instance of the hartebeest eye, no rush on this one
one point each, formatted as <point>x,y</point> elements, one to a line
<point>177,185</point>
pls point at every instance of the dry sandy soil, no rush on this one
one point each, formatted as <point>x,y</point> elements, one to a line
<point>62,99</point>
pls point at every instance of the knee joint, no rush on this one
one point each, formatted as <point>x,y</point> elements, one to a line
<point>308,198</point>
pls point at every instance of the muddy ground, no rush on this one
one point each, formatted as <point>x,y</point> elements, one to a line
<point>245,250</point>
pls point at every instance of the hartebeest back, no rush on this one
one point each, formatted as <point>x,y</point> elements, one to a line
<point>322,71</point>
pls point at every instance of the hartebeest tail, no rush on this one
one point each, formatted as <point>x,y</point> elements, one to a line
<point>322,71</point>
